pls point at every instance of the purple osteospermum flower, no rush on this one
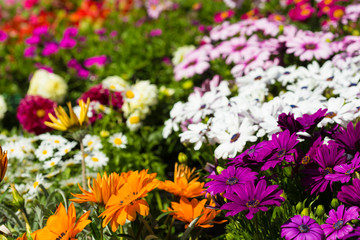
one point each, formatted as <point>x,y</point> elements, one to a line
<point>343,172</point>
<point>350,194</point>
<point>251,198</point>
<point>288,121</point>
<point>67,42</point>
<point>229,178</point>
<point>97,60</point>
<point>335,226</point>
<point>29,52</point>
<point>70,32</point>
<point>281,147</point>
<point>252,156</point>
<point>301,228</point>
<point>349,138</point>
<point>50,48</point>
<point>155,32</point>
<point>310,155</point>
<point>327,157</point>
<point>309,122</point>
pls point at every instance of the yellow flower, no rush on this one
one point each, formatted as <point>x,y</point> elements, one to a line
<point>64,122</point>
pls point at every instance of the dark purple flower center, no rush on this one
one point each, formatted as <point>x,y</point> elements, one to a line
<point>293,106</point>
<point>310,46</point>
<point>286,73</point>
<point>203,106</point>
<point>330,115</point>
<point>239,47</point>
<point>350,171</point>
<point>281,153</point>
<point>305,160</point>
<point>330,78</point>
<point>303,228</point>
<point>328,170</point>
<point>235,137</point>
<point>252,203</point>
<point>338,225</point>
<point>258,78</point>
<point>192,63</point>
<point>232,180</point>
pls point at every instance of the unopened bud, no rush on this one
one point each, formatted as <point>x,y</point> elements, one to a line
<point>219,169</point>
<point>18,200</point>
<point>320,211</point>
<point>299,207</point>
<point>182,158</point>
<point>335,203</point>
<point>305,212</point>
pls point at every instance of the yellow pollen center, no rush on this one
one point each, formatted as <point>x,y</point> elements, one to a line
<point>66,150</point>
<point>134,120</point>
<point>36,184</point>
<point>305,12</point>
<point>40,113</point>
<point>12,150</point>
<point>117,141</point>
<point>224,15</point>
<point>44,152</point>
<point>90,143</point>
<point>112,87</point>
<point>52,163</point>
<point>326,9</point>
<point>277,18</point>
<point>94,159</point>
<point>129,94</point>
<point>327,2</point>
<point>338,13</point>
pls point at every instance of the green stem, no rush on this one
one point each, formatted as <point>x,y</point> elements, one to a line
<point>139,231</point>
<point>28,228</point>
<point>169,229</point>
<point>101,230</point>
<point>83,167</point>
<point>146,225</point>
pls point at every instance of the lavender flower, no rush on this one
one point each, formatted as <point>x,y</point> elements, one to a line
<point>229,178</point>
<point>350,194</point>
<point>251,198</point>
<point>336,227</point>
<point>301,228</point>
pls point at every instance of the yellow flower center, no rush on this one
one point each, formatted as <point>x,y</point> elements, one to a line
<point>327,2</point>
<point>52,163</point>
<point>338,13</point>
<point>90,143</point>
<point>66,150</point>
<point>129,94</point>
<point>94,159</point>
<point>56,141</point>
<point>112,87</point>
<point>134,119</point>
<point>12,150</point>
<point>117,141</point>
<point>40,113</point>
<point>224,15</point>
<point>104,133</point>
<point>36,184</point>
<point>44,152</point>
<point>305,12</point>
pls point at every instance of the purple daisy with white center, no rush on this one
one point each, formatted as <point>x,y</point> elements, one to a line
<point>281,147</point>
<point>343,172</point>
<point>229,179</point>
<point>251,198</point>
<point>335,226</point>
<point>350,194</point>
<point>301,228</point>
<point>348,138</point>
<point>326,158</point>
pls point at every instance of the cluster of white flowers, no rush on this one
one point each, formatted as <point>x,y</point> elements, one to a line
<point>212,115</point>
<point>94,157</point>
<point>3,107</point>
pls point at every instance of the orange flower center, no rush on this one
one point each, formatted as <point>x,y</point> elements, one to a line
<point>224,15</point>
<point>305,160</point>
<point>338,13</point>
<point>305,12</point>
<point>129,94</point>
<point>252,203</point>
<point>40,113</point>
<point>330,115</point>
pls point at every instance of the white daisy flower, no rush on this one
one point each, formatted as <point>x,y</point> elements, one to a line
<point>118,140</point>
<point>65,149</point>
<point>96,160</point>
<point>133,122</point>
<point>92,142</point>
<point>52,162</point>
<point>44,152</point>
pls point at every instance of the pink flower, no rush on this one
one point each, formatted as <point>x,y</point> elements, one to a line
<point>301,12</point>
<point>33,112</point>
<point>70,32</point>
<point>3,36</point>
<point>96,60</point>
<point>29,52</point>
<point>336,12</point>
<point>50,48</point>
<point>67,43</point>
<point>221,16</point>
<point>30,3</point>
<point>155,32</point>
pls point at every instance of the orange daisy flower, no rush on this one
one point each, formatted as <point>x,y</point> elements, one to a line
<point>128,201</point>
<point>186,211</point>
<point>101,190</point>
<point>3,164</point>
<point>23,237</point>
<point>63,225</point>
<point>185,183</point>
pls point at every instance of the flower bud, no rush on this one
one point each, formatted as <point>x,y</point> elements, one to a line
<point>182,158</point>
<point>219,169</point>
<point>305,212</point>
<point>18,200</point>
<point>335,203</point>
<point>299,206</point>
<point>320,211</point>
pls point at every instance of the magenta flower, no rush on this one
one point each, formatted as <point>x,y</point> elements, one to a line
<point>70,32</point>
<point>67,43</point>
<point>336,227</point>
<point>229,179</point>
<point>3,36</point>
<point>348,138</point>
<point>251,198</point>
<point>97,60</point>
<point>344,172</point>
<point>33,112</point>
<point>251,156</point>
<point>301,12</point>
<point>221,16</point>
<point>327,157</point>
<point>155,32</point>
<point>30,52</point>
<point>350,194</point>
<point>302,228</point>
<point>43,30</point>
<point>50,48</point>
<point>33,40</point>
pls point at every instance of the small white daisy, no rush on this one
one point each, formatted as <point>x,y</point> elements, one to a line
<point>96,160</point>
<point>52,162</point>
<point>118,140</point>
<point>133,122</point>
<point>92,142</point>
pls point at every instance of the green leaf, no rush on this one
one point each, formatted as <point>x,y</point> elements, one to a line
<point>190,228</point>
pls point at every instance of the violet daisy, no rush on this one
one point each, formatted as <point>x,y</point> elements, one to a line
<point>281,147</point>
<point>348,138</point>
<point>251,198</point>
<point>301,228</point>
<point>350,194</point>
<point>309,122</point>
<point>229,178</point>
<point>335,226</point>
<point>343,172</point>
<point>251,156</point>
<point>288,122</point>
<point>327,157</point>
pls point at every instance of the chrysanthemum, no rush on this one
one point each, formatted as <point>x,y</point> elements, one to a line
<point>251,198</point>
<point>185,183</point>
<point>335,226</point>
<point>33,111</point>
<point>350,194</point>
<point>187,211</point>
<point>63,225</point>
<point>118,140</point>
<point>229,179</point>
<point>128,201</point>
<point>301,228</point>
<point>103,187</point>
